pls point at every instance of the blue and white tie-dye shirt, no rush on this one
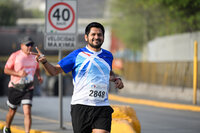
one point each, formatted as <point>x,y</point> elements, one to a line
<point>91,73</point>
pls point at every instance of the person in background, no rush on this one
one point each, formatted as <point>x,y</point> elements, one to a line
<point>21,66</point>
<point>91,68</point>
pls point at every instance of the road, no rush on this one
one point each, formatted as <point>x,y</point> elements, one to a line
<point>160,120</point>
<point>152,119</point>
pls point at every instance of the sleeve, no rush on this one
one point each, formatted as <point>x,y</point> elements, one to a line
<point>111,62</point>
<point>109,58</point>
<point>68,62</point>
<point>10,62</point>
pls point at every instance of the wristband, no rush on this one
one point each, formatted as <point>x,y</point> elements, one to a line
<point>41,56</point>
<point>117,79</point>
<point>44,62</point>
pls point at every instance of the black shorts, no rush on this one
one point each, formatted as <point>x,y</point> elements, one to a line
<point>85,118</point>
<point>16,97</point>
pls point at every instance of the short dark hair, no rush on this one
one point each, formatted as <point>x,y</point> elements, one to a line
<point>96,25</point>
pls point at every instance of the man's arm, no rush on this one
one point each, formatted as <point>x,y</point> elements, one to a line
<point>112,76</point>
<point>37,73</point>
<point>118,81</point>
<point>21,73</point>
<point>51,69</point>
<point>9,67</point>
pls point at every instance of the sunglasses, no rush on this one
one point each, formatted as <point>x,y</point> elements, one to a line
<point>30,44</point>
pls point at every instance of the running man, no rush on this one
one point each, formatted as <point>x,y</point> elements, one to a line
<point>91,68</point>
<point>21,66</point>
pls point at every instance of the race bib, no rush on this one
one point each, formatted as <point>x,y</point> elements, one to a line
<point>97,92</point>
<point>26,80</point>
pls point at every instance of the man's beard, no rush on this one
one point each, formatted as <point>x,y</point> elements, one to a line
<point>95,46</point>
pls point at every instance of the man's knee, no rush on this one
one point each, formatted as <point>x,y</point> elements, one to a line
<point>12,111</point>
<point>27,110</point>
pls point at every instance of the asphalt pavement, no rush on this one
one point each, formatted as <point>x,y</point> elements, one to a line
<point>155,116</point>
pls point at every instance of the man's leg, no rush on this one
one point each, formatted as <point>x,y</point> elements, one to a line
<point>27,117</point>
<point>12,102</point>
<point>102,119</point>
<point>9,117</point>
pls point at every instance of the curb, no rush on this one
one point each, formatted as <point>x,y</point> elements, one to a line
<point>155,103</point>
<point>124,120</point>
<point>121,126</point>
<point>17,129</point>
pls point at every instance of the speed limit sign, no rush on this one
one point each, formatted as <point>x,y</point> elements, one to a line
<point>61,16</point>
<point>60,25</point>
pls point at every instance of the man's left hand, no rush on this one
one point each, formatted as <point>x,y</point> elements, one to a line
<point>118,83</point>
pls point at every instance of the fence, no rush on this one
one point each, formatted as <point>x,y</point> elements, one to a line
<point>162,73</point>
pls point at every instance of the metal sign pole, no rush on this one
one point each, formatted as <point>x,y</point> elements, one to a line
<point>60,87</point>
<point>60,34</point>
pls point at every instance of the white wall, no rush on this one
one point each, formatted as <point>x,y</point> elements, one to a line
<point>178,47</point>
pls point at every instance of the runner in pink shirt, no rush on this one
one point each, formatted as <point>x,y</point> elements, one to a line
<point>21,66</point>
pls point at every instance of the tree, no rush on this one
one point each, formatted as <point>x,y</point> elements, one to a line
<point>187,12</point>
<point>8,12</point>
<point>136,22</point>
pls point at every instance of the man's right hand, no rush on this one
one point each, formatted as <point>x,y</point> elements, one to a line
<point>39,56</point>
<point>51,69</point>
<point>22,73</point>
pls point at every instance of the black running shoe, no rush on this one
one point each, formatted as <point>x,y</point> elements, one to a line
<point>6,130</point>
